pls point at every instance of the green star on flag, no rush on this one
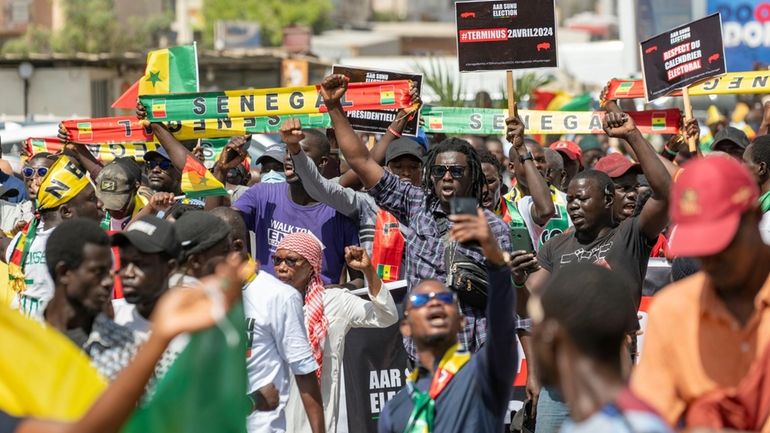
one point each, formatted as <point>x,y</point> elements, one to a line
<point>154,78</point>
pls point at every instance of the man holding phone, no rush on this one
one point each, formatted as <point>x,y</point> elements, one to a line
<point>452,169</point>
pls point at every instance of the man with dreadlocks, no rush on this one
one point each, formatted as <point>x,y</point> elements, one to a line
<point>452,169</point>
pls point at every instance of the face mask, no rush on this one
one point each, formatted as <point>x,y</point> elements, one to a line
<point>273,176</point>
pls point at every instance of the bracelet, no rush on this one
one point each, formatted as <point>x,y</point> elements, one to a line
<point>669,151</point>
<point>393,131</point>
<point>517,285</point>
<point>253,402</point>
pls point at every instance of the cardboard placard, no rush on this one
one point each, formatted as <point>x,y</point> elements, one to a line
<point>505,35</point>
<point>377,121</point>
<point>683,56</point>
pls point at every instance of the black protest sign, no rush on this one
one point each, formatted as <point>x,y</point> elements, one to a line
<point>377,121</point>
<point>504,35</point>
<point>375,370</point>
<point>683,56</point>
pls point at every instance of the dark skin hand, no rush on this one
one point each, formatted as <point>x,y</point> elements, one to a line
<point>350,178</point>
<point>232,156</point>
<point>176,151</point>
<point>654,216</point>
<point>356,154</point>
<point>160,201</point>
<point>84,157</point>
<point>542,207</point>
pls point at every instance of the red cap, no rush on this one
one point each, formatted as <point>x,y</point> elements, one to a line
<point>570,149</point>
<point>615,165</point>
<point>707,201</point>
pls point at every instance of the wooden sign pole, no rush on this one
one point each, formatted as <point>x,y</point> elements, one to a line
<point>691,142</point>
<point>511,89</point>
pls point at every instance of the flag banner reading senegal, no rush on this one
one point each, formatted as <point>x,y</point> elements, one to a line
<point>126,129</point>
<point>488,121</point>
<point>731,83</point>
<point>198,182</point>
<point>189,398</point>
<point>273,102</point>
<point>102,152</point>
<point>121,129</point>
<point>43,374</point>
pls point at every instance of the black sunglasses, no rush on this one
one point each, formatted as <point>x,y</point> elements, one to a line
<point>29,172</point>
<point>164,164</point>
<point>290,261</point>
<point>456,171</point>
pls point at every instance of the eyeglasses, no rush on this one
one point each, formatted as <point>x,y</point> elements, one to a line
<point>421,299</point>
<point>29,172</point>
<point>290,261</point>
<point>438,171</point>
<point>164,164</point>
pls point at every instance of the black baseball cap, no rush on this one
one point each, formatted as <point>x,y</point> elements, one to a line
<point>197,231</point>
<point>149,235</point>
<point>403,146</point>
<point>733,135</point>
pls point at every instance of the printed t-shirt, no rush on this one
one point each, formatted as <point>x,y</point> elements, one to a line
<point>624,249</point>
<point>555,226</point>
<point>270,213</point>
<point>39,283</point>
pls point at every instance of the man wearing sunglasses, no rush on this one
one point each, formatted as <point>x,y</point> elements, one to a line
<point>452,391</point>
<point>161,174</point>
<point>452,170</point>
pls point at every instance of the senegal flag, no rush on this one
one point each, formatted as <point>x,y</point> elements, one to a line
<point>197,182</point>
<point>170,70</point>
<point>205,389</point>
<point>388,95</point>
<point>42,374</point>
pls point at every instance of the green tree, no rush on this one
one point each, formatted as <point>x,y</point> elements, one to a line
<point>91,26</point>
<point>272,15</point>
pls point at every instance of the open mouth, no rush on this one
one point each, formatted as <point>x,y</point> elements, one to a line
<point>437,318</point>
<point>447,191</point>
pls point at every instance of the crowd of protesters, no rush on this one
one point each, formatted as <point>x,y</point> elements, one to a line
<point>547,246</point>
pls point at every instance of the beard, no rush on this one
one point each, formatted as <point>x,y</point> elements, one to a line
<point>434,340</point>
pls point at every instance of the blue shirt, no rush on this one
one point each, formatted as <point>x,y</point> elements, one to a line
<point>271,214</point>
<point>476,399</point>
<point>12,182</point>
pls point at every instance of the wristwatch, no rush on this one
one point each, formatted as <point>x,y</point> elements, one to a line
<point>527,157</point>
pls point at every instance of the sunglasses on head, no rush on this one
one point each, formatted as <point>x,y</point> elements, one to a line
<point>164,164</point>
<point>456,171</point>
<point>290,261</point>
<point>30,171</point>
<point>421,299</point>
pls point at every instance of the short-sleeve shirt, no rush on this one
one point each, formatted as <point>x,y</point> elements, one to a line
<point>277,345</point>
<point>624,249</point>
<point>270,213</point>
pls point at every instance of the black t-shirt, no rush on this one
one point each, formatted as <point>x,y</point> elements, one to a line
<point>625,250</point>
<point>8,423</point>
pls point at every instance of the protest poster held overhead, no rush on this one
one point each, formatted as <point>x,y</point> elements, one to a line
<point>377,120</point>
<point>505,35</point>
<point>683,56</point>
